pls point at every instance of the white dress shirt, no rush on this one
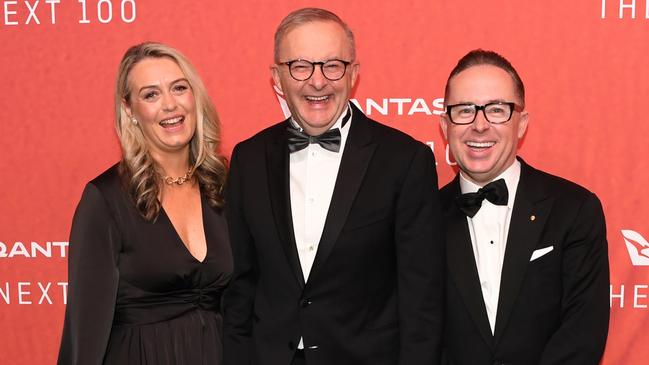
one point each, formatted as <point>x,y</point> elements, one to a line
<point>489,229</point>
<point>313,172</point>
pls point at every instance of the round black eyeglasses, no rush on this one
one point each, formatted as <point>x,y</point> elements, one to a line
<point>302,70</point>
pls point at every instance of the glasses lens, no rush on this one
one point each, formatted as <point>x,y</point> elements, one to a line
<point>301,70</point>
<point>463,113</point>
<point>498,112</point>
<point>334,69</point>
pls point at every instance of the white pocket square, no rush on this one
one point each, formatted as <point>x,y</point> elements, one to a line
<point>540,252</point>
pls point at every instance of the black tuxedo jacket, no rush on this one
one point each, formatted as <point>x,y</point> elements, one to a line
<point>552,310</point>
<point>375,291</point>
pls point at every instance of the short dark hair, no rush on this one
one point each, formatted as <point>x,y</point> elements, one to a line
<point>479,57</point>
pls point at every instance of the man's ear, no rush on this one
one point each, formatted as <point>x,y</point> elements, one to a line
<point>522,124</point>
<point>443,122</point>
<point>274,70</point>
<point>354,70</point>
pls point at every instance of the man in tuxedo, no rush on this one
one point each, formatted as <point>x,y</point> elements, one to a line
<point>527,264</point>
<point>334,222</point>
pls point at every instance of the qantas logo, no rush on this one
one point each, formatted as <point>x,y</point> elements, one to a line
<point>384,106</point>
<point>637,246</point>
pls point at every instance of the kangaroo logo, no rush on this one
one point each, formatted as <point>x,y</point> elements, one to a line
<point>637,246</point>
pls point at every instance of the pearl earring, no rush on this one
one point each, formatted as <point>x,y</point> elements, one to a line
<point>133,120</point>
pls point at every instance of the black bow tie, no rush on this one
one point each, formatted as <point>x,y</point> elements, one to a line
<point>298,140</point>
<point>329,140</point>
<point>495,192</point>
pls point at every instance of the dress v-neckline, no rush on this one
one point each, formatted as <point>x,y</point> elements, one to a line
<point>180,240</point>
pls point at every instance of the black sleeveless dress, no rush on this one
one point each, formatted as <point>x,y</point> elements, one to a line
<point>136,295</point>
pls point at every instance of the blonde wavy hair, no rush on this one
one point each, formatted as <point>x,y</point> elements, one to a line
<point>139,171</point>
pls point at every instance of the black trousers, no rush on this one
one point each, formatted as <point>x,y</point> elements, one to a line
<point>299,359</point>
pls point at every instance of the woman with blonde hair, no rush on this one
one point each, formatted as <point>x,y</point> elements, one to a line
<point>149,254</point>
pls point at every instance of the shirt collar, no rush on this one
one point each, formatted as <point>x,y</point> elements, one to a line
<point>511,175</point>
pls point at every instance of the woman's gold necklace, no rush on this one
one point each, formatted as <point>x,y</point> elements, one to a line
<point>178,180</point>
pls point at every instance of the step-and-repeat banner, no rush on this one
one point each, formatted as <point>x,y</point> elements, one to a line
<point>585,64</point>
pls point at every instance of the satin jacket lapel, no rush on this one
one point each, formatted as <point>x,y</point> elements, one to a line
<point>462,267</point>
<point>278,181</point>
<point>531,210</point>
<point>353,165</point>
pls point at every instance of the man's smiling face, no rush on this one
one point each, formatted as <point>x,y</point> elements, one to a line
<point>483,150</point>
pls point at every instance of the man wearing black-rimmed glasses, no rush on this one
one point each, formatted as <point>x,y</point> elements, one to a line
<point>528,276</point>
<point>334,222</point>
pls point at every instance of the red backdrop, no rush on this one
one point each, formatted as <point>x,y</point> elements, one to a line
<point>584,63</point>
